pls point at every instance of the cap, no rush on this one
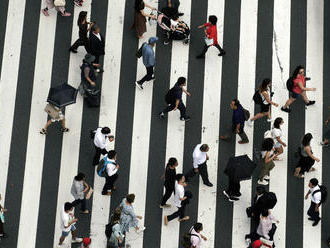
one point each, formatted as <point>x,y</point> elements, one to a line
<point>86,241</point>
<point>152,40</point>
<point>257,244</point>
<point>89,58</point>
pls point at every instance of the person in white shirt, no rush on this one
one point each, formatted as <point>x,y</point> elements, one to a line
<point>316,197</point>
<point>111,176</point>
<point>78,190</point>
<point>68,224</point>
<point>100,141</point>
<point>277,136</point>
<point>199,163</point>
<point>179,197</point>
<point>196,237</point>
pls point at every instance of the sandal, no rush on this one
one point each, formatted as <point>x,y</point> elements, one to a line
<point>43,131</point>
<point>64,130</point>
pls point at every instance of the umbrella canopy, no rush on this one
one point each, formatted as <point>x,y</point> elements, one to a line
<point>240,168</point>
<point>62,95</point>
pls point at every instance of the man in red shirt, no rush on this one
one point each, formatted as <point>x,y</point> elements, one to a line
<point>211,38</point>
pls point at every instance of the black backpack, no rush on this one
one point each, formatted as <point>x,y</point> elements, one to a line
<point>289,84</point>
<point>186,240</point>
<point>246,114</point>
<point>169,97</point>
<point>324,193</point>
<point>257,98</point>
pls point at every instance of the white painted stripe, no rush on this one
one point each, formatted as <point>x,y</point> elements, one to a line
<point>108,112</point>
<point>281,59</point>
<point>73,115</point>
<point>140,140</point>
<point>246,79</point>
<point>176,128</point>
<point>314,114</point>
<point>8,83</point>
<point>36,141</point>
<point>210,127</point>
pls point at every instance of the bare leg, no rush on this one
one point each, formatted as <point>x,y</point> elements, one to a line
<point>48,124</point>
<point>63,123</point>
<point>305,98</point>
<point>296,173</point>
<point>258,116</point>
<point>61,240</point>
<point>289,102</point>
<point>74,236</point>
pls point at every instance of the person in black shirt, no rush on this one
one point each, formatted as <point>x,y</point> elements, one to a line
<point>96,44</point>
<point>84,28</point>
<point>174,100</point>
<point>169,183</point>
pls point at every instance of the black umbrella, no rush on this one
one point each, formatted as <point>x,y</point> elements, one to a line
<point>62,95</point>
<point>240,168</point>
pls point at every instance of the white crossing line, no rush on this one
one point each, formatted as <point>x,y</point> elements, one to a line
<point>36,141</point>
<point>313,121</point>
<point>8,83</point>
<point>108,112</point>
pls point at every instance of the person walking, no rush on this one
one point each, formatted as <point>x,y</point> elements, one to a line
<point>238,121</point>
<point>102,134</point>
<point>174,99</point>
<point>84,28</point>
<point>299,88</point>
<point>2,221</point>
<point>55,114</point>
<point>169,183</point>
<point>140,18</point>
<point>211,38</point>
<point>79,189</point>
<point>258,205</point>
<point>277,135</point>
<point>128,218</point>
<point>196,236</point>
<point>111,173</point>
<point>267,160</point>
<point>50,5</point>
<point>96,45</point>
<point>199,164</point>
<point>325,141</point>
<point>233,190</point>
<point>265,101</point>
<point>117,237</point>
<point>316,197</point>
<point>148,57</point>
<point>266,226</point>
<point>179,198</point>
<point>307,159</point>
<point>88,76</point>
<point>68,224</point>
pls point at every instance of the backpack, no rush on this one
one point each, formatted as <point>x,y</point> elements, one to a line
<point>257,98</point>
<point>139,51</point>
<point>324,193</point>
<point>92,134</point>
<point>186,240</point>
<point>102,166</point>
<point>246,114</point>
<point>289,84</point>
<point>169,97</point>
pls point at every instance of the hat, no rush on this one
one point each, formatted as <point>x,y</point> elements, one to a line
<point>257,244</point>
<point>152,40</point>
<point>86,241</point>
<point>89,58</point>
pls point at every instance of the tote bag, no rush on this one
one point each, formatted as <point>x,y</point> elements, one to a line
<point>208,42</point>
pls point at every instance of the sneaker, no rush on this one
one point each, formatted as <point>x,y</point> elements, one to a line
<point>162,115</point>
<point>165,206</point>
<point>45,12</point>
<point>184,219</point>
<point>187,118</point>
<point>225,193</point>
<point>286,110</point>
<point>241,142</point>
<point>73,50</point>
<point>43,131</point>
<point>263,182</point>
<point>208,184</point>
<point>324,144</point>
<point>316,222</point>
<point>269,120</point>
<point>84,212</point>
<point>66,14</point>
<point>64,130</point>
<point>232,199</point>
<point>77,240</point>
<point>248,241</point>
<point>266,177</point>
<point>307,78</point>
<point>310,103</point>
<point>166,42</point>
<point>138,85</point>
<point>222,53</point>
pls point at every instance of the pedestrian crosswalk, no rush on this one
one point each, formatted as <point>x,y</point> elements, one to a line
<point>261,40</point>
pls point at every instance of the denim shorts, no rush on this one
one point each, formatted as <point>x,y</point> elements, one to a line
<point>294,95</point>
<point>65,234</point>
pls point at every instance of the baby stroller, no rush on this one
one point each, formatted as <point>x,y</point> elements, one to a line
<point>181,32</point>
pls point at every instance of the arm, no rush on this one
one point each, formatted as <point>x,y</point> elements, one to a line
<point>306,196</point>
<point>268,158</point>
<point>86,187</point>
<point>310,154</point>
<point>265,94</point>
<point>177,101</point>
<point>304,88</point>
<point>185,91</point>
<point>200,26</point>
<point>91,24</point>
<point>280,141</point>
<point>86,73</point>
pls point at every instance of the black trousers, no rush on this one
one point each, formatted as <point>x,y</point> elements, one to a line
<point>81,42</point>
<point>167,195</point>
<point>312,213</point>
<point>202,170</point>
<point>1,227</point>
<point>148,76</point>
<point>179,213</point>
<point>98,152</point>
<point>233,188</point>
<point>206,47</point>
<point>82,203</point>
<point>181,107</point>
<point>109,182</point>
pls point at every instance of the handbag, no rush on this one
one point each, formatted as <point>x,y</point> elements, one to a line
<point>89,193</point>
<point>59,3</point>
<point>52,112</point>
<point>208,42</point>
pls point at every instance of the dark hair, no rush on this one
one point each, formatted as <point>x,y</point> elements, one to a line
<point>94,27</point>
<point>267,144</point>
<point>260,190</point>
<point>111,154</point>
<point>278,122</point>
<point>264,212</point>
<point>105,130</point>
<point>198,227</point>
<point>172,161</point>
<point>264,84</point>
<point>204,147</point>
<point>181,81</point>
<point>82,17</point>
<point>236,102</point>
<point>80,176</point>
<point>178,176</point>
<point>314,181</point>
<point>130,198</point>
<point>116,215</point>
<point>306,139</point>
<point>296,71</point>
<point>213,19</point>
<point>137,4</point>
<point>68,206</point>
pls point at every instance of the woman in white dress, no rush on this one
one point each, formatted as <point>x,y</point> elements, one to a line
<point>277,136</point>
